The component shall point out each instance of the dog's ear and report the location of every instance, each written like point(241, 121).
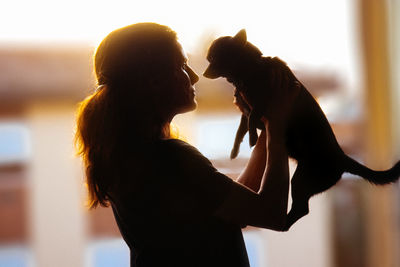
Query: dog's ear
point(241, 37)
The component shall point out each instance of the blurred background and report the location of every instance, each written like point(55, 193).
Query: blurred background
point(346, 52)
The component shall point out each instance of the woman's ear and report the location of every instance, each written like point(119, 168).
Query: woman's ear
point(241, 37)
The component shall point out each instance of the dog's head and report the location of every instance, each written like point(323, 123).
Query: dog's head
point(228, 53)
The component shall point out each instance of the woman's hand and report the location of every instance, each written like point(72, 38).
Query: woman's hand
point(240, 101)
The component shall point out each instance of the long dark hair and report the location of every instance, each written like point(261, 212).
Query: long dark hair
point(130, 107)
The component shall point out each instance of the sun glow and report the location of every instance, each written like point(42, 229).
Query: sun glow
point(311, 31)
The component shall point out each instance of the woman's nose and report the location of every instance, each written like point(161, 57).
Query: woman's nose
point(194, 78)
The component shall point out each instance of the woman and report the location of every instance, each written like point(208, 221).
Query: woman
point(172, 206)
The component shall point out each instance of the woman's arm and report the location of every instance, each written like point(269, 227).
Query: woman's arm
point(268, 207)
point(275, 182)
point(254, 171)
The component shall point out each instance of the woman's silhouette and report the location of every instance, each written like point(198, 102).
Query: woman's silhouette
point(172, 206)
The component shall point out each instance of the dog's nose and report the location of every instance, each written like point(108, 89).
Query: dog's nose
point(210, 72)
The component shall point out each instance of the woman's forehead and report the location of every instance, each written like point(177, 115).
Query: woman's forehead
point(182, 54)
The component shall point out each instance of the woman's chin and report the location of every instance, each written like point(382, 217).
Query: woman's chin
point(187, 108)
point(192, 106)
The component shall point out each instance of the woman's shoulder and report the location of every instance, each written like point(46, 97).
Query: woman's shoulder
point(173, 142)
point(177, 146)
point(193, 164)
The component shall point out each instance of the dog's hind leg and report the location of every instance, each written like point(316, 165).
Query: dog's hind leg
point(300, 196)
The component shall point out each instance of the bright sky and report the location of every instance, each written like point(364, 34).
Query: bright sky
point(313, 32)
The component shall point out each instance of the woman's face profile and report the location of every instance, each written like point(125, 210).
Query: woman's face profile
point(185, 80)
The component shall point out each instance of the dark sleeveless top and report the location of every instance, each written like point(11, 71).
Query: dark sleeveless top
point(166, 215)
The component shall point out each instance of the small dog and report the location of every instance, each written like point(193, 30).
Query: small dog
point(309, 137)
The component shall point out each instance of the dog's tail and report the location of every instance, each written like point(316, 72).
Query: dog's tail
point(376, 177)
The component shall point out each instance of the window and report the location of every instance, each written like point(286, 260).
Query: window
point(14, 143)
